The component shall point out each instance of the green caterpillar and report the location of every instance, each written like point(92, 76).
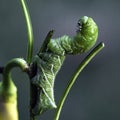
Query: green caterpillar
point(51, 57)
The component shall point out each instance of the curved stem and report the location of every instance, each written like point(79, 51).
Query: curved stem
point(8, 90)
point(74, 77)
point(29, 31)
point(16, 62)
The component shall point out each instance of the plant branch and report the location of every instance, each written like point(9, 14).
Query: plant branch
point(16, 62)
point(29, 31)
point(8, 90)
point(83, 64)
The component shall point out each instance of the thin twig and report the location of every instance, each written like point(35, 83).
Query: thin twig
point(83, 64)
point(29, 31)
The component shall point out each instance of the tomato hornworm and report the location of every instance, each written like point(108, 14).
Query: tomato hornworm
point(51, 56)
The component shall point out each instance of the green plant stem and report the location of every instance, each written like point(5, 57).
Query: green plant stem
point(8, 90)
point(29, 31)
point(30, 45)
point(16, 62)
point(74, 77)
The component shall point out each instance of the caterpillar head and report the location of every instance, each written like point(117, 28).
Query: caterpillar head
point(87, 33)
point(81, 22)
point(86, 23)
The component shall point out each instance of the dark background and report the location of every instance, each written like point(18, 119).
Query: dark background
point(96, 93)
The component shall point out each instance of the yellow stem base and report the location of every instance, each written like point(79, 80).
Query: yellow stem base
point(8, 111)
